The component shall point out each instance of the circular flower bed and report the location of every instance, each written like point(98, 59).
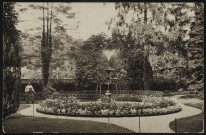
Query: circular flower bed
point(72, 107)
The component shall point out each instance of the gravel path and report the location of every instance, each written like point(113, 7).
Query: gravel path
point(149, 124)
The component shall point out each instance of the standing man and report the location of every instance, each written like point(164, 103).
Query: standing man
point(29, 90)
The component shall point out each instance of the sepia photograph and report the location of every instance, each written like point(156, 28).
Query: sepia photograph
point(103, 67)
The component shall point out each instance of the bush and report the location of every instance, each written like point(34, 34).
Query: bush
point(164, 85)
point(64, 86)
point(129, 97)
point(201, 95)
point(48, 91)
point(55, 94)
point(105, 99)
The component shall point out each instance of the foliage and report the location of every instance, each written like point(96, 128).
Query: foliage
point(48, 90)
point(11, 59)
point(129, 97)
point(171, 32)
point(149, 106)
point(89, 63)
point(164, 84)
point(106, 99)
point(195, 47)
point(60, 41)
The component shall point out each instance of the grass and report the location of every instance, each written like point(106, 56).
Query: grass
point(187, 96)
point(196, 105)
point(26, 124)
point(191, 124)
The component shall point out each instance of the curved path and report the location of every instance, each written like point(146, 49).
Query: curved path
point(149, 124)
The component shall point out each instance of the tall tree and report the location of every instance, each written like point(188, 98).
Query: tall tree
point(46, 45)
point(11, 60)
point(52, 25)
point(158, 27)
point(196, 49)
point(89, 61)
point(126, 29)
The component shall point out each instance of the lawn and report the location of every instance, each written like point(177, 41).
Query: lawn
point(26, 124)
point(191, 124)
point(188, 96)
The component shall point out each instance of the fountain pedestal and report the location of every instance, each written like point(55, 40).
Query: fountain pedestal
point(109, 53)
point(108, 93)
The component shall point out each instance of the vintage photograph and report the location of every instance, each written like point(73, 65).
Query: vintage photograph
point(103, 67)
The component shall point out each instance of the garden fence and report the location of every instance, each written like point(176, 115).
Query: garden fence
point(92, 94)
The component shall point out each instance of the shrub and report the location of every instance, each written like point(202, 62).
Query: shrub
point(105, 99)
point(129, 97)
point(164, 85)
point(55, 94)
point(48, 90)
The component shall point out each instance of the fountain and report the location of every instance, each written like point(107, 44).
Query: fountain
point(109, 54)
point(134, 105)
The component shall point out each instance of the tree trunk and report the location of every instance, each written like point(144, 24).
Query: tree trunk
point(145, 13)
point(46, 45)
point(146, 64)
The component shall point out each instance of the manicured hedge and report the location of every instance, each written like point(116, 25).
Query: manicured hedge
point(162, 85)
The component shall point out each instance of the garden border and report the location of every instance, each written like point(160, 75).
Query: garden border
point(79, 115)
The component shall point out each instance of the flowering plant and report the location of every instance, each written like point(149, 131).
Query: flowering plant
point(71, 106)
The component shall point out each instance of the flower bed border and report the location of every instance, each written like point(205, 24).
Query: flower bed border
point(80, 115)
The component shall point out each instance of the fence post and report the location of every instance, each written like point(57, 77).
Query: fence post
point(33, 109)
point(176, 125)
point(203, 117)
point(139, 119)
point(100, 89)
point(139, 125)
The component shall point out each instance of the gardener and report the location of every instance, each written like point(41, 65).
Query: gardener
point(29, 90)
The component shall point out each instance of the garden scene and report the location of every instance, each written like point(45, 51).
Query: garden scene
point(124, 67)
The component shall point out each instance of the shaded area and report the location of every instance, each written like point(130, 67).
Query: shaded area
point(35, 102)
point(22, 124)
point(190, 124)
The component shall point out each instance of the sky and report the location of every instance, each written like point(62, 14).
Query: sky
point(91, 18)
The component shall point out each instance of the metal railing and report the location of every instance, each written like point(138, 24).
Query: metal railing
point(136, 92)
point(93, 94)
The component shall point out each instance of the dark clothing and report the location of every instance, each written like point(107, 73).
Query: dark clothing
point(29, 96)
